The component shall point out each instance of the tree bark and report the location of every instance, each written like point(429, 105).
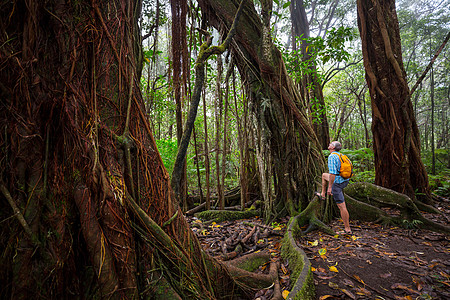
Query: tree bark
point(286, 133)
point(98, 197)
point(179, 79)
point(398, 165)
point(218, 110)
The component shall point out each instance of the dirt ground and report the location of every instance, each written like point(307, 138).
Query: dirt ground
point(374, 262)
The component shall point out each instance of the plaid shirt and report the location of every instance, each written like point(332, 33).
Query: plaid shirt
point(334, 165)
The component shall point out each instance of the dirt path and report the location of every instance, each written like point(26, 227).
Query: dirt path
point(375, 262)
point(379, 263)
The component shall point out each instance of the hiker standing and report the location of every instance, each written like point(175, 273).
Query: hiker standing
point(336, 183)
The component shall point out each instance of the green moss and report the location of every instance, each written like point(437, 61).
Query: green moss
point(251, 265)
point(300, 266)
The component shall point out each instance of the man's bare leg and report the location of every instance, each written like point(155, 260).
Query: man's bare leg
point(325, 181)
point(344, 215)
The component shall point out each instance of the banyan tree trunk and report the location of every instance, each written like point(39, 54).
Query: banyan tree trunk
point(284, 130)
point(87, 210)
point(396, 139)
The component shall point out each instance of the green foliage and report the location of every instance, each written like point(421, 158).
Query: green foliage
point(168, 151)
point(411, 224)
point(440, 183)
point(150, 55)
point(333, 47)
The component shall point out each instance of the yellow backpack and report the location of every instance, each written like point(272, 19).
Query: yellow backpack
point(346, 170)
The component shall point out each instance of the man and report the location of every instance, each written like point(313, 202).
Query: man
point(336, 183)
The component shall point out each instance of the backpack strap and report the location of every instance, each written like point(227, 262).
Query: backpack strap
point(339, 155)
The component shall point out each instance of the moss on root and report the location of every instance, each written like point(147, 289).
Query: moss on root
point(300, 266)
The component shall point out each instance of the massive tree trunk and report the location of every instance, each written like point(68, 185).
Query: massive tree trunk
point(311, 86)
point(284, 130)
point(398, 165)
point(90, 212)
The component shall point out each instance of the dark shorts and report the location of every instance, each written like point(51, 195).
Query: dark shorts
point(336, 190)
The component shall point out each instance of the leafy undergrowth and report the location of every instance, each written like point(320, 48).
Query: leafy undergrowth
point(375, 262)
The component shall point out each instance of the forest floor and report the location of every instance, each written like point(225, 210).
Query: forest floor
point(374, 262)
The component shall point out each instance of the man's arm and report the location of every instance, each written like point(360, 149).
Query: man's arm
point(330, 183)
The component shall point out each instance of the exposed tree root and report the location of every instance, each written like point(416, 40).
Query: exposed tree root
point(224, 215)
point(298, 262)
point(310, 215)
point(365, 200)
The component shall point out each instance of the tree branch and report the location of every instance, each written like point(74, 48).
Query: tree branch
point(17, 213)
point(430, 64)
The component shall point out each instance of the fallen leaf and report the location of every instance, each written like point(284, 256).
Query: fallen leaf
point(285, 294)
point(326, 277)
point(333, 269)
point(333, 285)
point(359, 279)
point(445, 275)
point(362, 291)
point(315, 243)
point(322, 251)
point(419, 283)
point(285, 271)
point(403, 287)
point(313, 269)
point(325, 297)
point(348, 282)
point(348, 293)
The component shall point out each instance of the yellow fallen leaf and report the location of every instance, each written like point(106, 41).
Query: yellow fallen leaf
point(313, 269)
point(277, 228)
point(359, 279)
point(333, 269)
point(322, 251)
point(285, 294)
point(325, 297)
point(315, 243)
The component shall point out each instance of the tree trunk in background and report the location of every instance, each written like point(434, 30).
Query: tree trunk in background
point(225, 133)
point(218, 110)
point(80, 154)
point(207, 164)
point(197, 159)
point(433, 154)
point(398, 164)
point(180, 61)
point(284, 129)
point(242, 130)
point(311, 86)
